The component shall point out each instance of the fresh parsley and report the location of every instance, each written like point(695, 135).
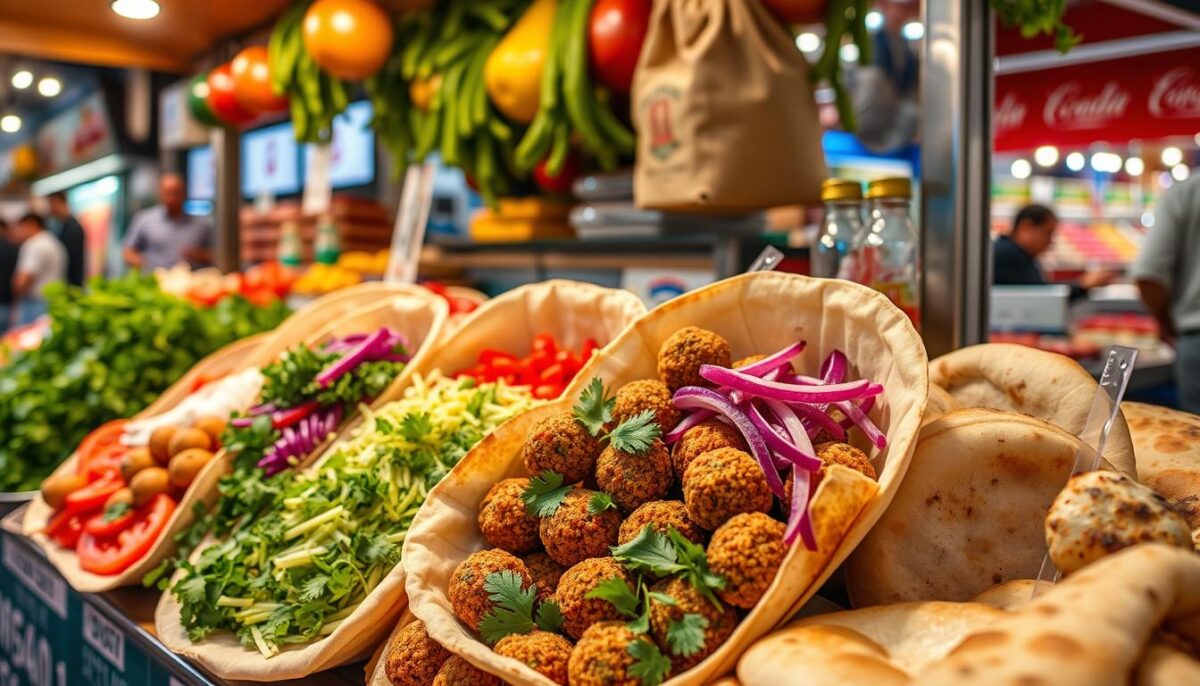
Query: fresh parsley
point(685, 636)
point(115, 511)
point(653, 553)
point(545, 493)
point(695, 562)
point(549, 617)
point(594, 410)
point(637, 434)
point(512, 606)
point(618, 594)
point(649, 664)
point(599, 502)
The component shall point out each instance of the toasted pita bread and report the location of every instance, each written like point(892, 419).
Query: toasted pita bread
point(1167, 443)
point(1008, 595)
point(970, 512)
point(1021, 379)
point(940, 402)
point(755, 313)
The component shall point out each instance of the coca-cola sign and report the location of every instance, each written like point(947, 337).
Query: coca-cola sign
point(1143, 97)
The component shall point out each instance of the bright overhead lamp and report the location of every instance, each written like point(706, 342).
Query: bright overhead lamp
point(1134, 166)
point(874, 20)
point(808, 42)
point(49, 87)
point(848, 52)
point(1046, 156)
point(1172, 156)
point(1180, 172)
point(1106, 162)
point(135, 9)
point(1076, 161)
point(1021, 169)
point(22, 79)
point(10, 123)
point(913, 30)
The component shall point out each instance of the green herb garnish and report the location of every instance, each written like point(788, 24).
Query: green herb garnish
point(649, 664)
point(594, 409)
point(512, 606)
point(545, 493)
point(599, 502)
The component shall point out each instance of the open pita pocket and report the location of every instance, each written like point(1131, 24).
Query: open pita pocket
point(1008, 595)
point(970, 512)
point(1021, 379)
point(411, 310)
point(755, 313)
point(1167, 443)
point(882, 646)
point(940, 402)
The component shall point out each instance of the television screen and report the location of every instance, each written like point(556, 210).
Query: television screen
point(201, 173)
point(352, 157)
point(270, 161)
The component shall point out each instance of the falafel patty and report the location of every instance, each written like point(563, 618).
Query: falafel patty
point(543, 652)
point(702, 438)
point(573, 534)
point(721, 621)
point(413, 659)
point(578, 611)
point(504, 520)
point(601, 657)
point(832, 452)
point(722, 483)
point(636, 397)
point(633, 480)
point(747, 551)
point(459, 672)
point(562, 445)
point(682, 354)
point(545, 572)
point(468, 597)
point(662, 515)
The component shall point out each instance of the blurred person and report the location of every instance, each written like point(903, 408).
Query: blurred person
point(41, 261)
point(164, 235)
point(1167, 273)
point(68, 230)
point(1014, 257)
point(8, 269)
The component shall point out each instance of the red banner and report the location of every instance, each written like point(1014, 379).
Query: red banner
point(1114, 101)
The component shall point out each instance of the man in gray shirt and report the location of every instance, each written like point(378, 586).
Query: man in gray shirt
point(163, 235)
point(1168, 275)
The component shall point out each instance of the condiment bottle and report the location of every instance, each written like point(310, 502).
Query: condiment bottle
point(289, 243)
point(841, 225)
point(326, 249)
point(887, 256)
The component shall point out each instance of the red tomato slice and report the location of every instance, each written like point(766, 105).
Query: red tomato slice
point(290, 417)
point(97, 526)
point(93, 496)
point(106, 435)
point(491, 356)
point(590, 346)
point(64, 528)
point(544, 343)
point(105, 461)
point(115, 554)
point(547, 391)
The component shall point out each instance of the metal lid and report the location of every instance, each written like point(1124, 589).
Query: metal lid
point(894, 187)
point(840, 189)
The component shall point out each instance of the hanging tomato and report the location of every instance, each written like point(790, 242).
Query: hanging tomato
point(616, 31)
point(349, 39)
point(222, 101)
point(197, 101)
point(251, 73)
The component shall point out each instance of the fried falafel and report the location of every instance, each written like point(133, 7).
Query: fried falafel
point(504, 520)
point(468, 597)
point(458, 672)
point(721, 621)
point(747, 551)
point(721, 483)
point(413, 659)
point(573, 534)
point(601, 657)
point(702, 438)
point(559, 443)
point(682, 354)
point(636, 397)
point(543, 652)
point(578, 611)
point(662, 515)
point(833, 452)
point(545, 573)
point(633, 480)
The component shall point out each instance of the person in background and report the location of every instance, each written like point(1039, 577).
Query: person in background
point(1167, 273)
point(164, 235)
point(41, 261)
point(8, 269)
point(1014, 257)
point(68, 230)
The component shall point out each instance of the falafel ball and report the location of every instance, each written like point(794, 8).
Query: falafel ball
point(833, 452)
point(459, 672)
point(601, 657)
point(747, 550)
point(700, 439)
point(561, 444)
point(545, 573)
point(721, 483)
point(633, 480)
point(682, 354)
point(721, 621)
point(662, 515)
point(543, 652)
point(636, 397)
point(747, 361)
point(413, 659)
point(573, 534)
point(503, 519)
point(468, 597)
point(578, 611)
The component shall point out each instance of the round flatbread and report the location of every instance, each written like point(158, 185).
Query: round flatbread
point(1021, 379)
point(940, 402)
point(969, 513)
point(1167, 444)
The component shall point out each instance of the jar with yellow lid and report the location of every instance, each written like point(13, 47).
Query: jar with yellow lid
point(887, 255)
point(840, 226)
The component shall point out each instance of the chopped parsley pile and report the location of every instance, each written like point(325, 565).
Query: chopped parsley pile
point(293, 572)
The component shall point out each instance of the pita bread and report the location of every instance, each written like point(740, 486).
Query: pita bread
point(940, 402)
point(1021, 379)
point(1008, 595)
point(755, 313)
point(1167, 444)
point(970, 512)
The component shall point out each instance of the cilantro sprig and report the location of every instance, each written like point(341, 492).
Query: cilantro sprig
point(594, 411)
point(512, 608)
point(545, 493)
point(649, 664)
point(599, 502)
point(594, 408)
point(653, 553)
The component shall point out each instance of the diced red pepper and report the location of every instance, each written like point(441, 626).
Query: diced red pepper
point(544, 342)
point(590, 346)
point(547, 391)
point(287, 418)
point(64, 528)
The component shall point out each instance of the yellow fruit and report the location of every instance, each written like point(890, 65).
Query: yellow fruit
point(513, 72)
point(421, 91)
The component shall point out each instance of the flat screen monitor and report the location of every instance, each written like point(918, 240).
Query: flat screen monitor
point(352, 157)
point(201, 173)
point(270, 161)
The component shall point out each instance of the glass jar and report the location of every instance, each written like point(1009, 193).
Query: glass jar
point(887, 256)
point(841, 225)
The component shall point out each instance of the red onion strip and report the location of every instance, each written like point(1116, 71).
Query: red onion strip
point(777, 390)
point(799, 515)
point(697, 398)
point(691, 421)
point(856, 414)
point(789, 452)
point(773, 361)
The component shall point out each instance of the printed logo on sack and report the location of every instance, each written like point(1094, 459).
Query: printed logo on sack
point(659, 111)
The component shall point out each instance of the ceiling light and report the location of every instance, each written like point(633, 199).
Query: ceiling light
point(135, 9)
point(808, 42)
point(10, 123)
point(849, 52)
point(874, 20)
point(1147, 219)
point(1075, 161)
point(1180, 172)
point(1109, 162)
point(22, 79)
point(913, 30)
point(1046, 156)
point(1134, 166)
point(1021, 169)
point(49, 86)
point(1172, 156)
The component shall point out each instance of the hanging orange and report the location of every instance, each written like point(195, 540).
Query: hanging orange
point(252, 81)
point(350, 39)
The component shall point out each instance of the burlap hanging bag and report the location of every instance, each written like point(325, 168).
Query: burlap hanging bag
point(724, 111)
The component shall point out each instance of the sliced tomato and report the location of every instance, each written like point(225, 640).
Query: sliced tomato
point(105, 436)
point(544, 342)
point(93, 496)
point(115, 554)
point(590, 346)
point(103, 462)
point(98, 525)
point(290, 417)
point(64, 528)
point(490, 356)
point(548, 391)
